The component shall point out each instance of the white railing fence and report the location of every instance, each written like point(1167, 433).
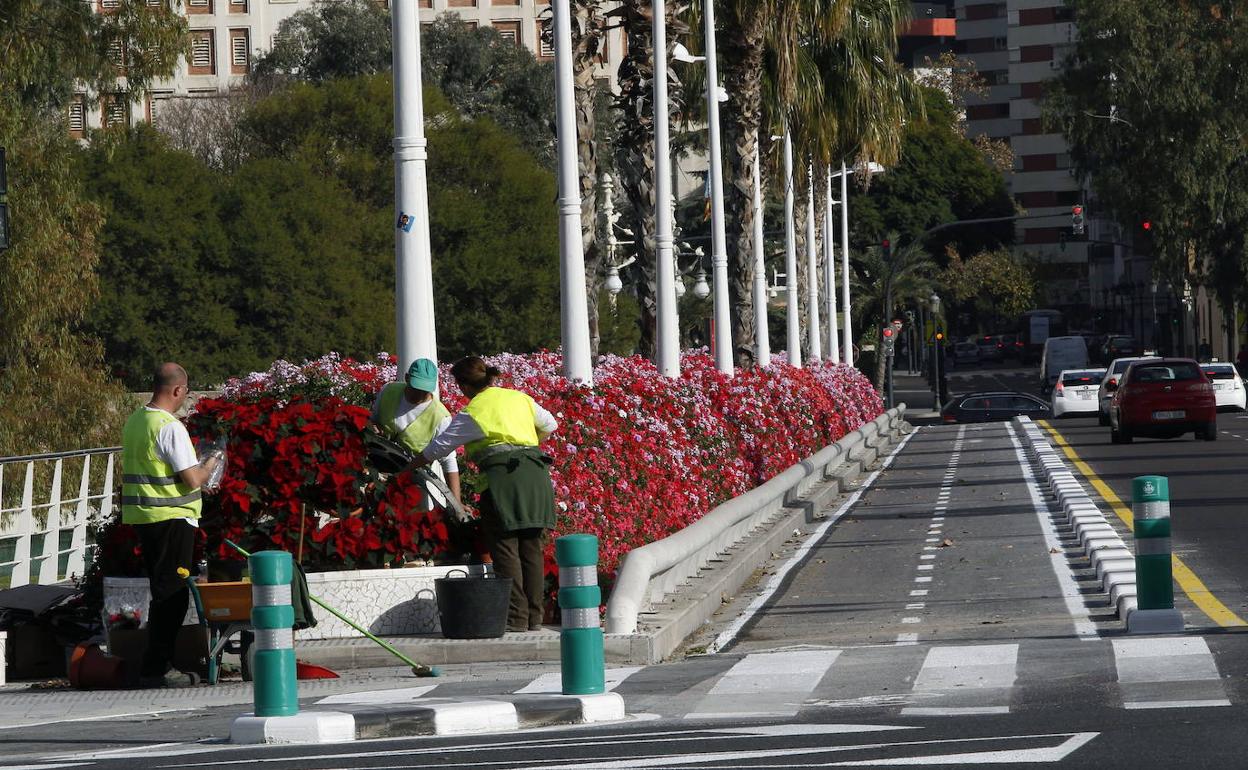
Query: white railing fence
point(43, 533)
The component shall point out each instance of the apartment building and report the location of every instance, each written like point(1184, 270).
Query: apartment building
point(228, 35)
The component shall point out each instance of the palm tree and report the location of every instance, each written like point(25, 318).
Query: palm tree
point(825, 67)
point(882, 276)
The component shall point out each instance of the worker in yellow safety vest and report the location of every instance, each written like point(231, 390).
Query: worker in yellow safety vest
point(408, 412)
point(160, 496)
point(501, 430)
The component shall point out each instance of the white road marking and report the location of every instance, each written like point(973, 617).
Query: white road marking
point(912, 620)
point(923, 579)
point(926, 566)
point(766, 684)
point(1187, 662)
point(553, 682)
point(927, 556)
point(377, 696)
point(728, 635)
point(919, 592)
point(904, 640)
point(916, 605)
point(958, 672)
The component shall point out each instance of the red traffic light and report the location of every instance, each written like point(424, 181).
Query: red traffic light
point(1076, 210)
point(1147, 225)
point(884, 243)
point(888, 332)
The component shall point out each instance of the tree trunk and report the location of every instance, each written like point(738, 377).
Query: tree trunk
point(741, 65)
point(588, 37)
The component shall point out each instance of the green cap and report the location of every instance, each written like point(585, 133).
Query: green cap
point(423, 375)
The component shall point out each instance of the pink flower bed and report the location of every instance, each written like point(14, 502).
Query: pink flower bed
point(638, 455)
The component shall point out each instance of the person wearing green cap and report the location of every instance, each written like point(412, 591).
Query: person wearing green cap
point(409, 413)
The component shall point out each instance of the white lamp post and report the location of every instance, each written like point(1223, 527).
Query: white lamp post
point(812, 272)
point(667, 344)
point(794, 338)
point(573, 304)
point(413, 265)
point(719, 252)
point(872, 168)
point(829, 273)
point(762, 344)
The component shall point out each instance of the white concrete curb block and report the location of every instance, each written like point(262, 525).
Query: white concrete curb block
point(1112, 560)
point(307, 727)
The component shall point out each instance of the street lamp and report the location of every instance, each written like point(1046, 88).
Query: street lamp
point(829, 272)
point(413, 273)
point(762, 344)
point(793, 337)
point(812, 271)
point(574, 307)
point(871, 168)
point(667, 347)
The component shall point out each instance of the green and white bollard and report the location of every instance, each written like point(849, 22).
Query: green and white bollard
point(276, 687)
point(580, 640)
point(1154, 581)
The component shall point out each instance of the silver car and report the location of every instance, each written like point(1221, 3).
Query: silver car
point(1112, 372)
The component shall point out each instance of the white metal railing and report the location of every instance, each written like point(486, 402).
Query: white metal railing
point(41, 514)
point(655, 570)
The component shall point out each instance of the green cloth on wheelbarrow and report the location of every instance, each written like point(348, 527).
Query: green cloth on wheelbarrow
point(299, 600)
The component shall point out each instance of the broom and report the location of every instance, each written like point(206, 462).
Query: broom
point(418, 669)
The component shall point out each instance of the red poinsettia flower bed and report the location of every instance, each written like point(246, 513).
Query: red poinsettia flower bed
point(636, 457)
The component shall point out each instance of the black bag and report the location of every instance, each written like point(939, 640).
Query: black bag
point(388, 456)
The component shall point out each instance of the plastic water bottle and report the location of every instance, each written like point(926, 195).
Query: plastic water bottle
point(201, 571)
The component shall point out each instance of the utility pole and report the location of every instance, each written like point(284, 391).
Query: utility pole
point(667, 345)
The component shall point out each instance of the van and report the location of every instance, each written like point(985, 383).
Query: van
point(1061, 353)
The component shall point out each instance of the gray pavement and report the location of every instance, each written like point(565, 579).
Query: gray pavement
point(944, 620)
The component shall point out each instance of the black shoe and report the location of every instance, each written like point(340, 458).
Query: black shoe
point(172, 679)
point(536, 627)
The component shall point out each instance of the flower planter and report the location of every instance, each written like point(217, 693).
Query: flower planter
point(388, 602)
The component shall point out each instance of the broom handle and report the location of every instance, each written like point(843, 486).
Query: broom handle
point(345, 619)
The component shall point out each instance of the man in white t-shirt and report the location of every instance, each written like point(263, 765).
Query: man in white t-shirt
point(160, 497)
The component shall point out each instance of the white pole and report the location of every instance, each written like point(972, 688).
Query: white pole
point(794, 338)
point(719, 253)
point(847, 354)
point(812, 272)
point(667, 344)
point(413, 265)
point(762, 344)
point(829, 274)
point(574, 310)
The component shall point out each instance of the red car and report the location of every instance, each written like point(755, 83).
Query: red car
point(1162, 398)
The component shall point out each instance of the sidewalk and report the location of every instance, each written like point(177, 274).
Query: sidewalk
point(913, 390)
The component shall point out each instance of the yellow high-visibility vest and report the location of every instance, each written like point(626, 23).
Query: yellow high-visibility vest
point(417, 435)
point(505, 416)
point(150, 488)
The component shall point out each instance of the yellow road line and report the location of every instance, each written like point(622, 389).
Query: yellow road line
point(1193, 586)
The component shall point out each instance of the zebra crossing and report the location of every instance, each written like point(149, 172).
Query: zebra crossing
point(919, 680)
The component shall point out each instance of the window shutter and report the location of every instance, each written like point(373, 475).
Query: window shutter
point(238, 49)
point(115, 113)
point(201, 51)
point(77, 115)
point(546, 40)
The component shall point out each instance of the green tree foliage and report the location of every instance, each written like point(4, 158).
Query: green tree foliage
point(994, 287)
point(941, 177)
point(618, 324)
point(54, 392)
point(1153, 105)
point(332, 39)
point(166, 268)
point(482, 74)
point(292, 254)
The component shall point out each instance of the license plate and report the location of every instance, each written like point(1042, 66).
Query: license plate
point(1169, 415)
point(1216, 386)
point(1086, 395)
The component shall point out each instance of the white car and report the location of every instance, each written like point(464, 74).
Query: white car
point(1075, 391)
point(1114, 373)
point(1228, 387)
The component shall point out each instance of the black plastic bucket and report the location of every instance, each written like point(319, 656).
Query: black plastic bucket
point(473, 606)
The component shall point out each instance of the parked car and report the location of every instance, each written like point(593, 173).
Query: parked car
point(989, 347)
point(1163, 398)
point(1120, 346)
point(1113, 373)
point(965, 353)
point(1011, 346)
point(1060, 353)
point(1075, 392)
point(993, 406)
point(1228, 386)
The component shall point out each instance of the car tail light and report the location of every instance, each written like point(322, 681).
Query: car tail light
point(1059, 389)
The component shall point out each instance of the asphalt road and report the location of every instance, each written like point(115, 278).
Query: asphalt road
point(1208, 489)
